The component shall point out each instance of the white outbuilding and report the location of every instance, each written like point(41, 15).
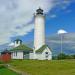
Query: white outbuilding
point(44, 53)
point(20, 51)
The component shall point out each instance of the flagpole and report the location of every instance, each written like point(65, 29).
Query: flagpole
point(61, 43)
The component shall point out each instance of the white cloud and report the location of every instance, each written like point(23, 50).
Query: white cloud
point(61, 31)
point(17, 13)
point(53, 16)
point(68, 38)
point(63, 4)
point(11, 44)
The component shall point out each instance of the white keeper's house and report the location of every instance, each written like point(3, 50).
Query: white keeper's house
point(20, 51)
point(41, 51)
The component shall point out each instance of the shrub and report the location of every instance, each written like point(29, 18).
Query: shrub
point(73, 56)
point(64, 56)
point(61, 56)
point(54, 57)
point(2, 66)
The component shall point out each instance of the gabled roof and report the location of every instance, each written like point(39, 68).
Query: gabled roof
point(41, 49)
point(21, 47)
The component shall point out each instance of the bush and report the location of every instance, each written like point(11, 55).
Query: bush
point(2, 66)
point(73, 56)
point(61, 56)
point(54, 57)
point(64, 56)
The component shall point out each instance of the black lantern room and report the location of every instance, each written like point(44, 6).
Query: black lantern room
point(39, 11)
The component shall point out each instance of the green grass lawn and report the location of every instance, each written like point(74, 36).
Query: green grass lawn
point(5, 71)
point(35, 67)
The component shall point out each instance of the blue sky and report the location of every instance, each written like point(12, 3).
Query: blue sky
point(16, 18)
point(64, 19)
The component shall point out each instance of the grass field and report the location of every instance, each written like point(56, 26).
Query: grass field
point(35, 67)
point(5, 71)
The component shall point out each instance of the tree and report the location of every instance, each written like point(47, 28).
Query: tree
point(61, 56)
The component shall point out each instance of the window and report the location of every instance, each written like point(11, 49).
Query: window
point(46, 54)
point(15, 53)
point(25, 53)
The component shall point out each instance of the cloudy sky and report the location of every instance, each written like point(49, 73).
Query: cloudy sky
point(16, 18)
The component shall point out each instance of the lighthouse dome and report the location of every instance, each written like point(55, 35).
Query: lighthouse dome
point(39, 11)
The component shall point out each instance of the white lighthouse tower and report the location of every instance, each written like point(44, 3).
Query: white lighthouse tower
point(41, 50)
point(39, 32)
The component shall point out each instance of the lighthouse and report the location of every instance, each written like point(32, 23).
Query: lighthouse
point(39, 29)
point(41, 50)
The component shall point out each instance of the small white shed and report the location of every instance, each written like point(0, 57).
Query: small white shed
point(44, 53)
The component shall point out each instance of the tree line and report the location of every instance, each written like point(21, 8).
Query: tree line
point(63, 56)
